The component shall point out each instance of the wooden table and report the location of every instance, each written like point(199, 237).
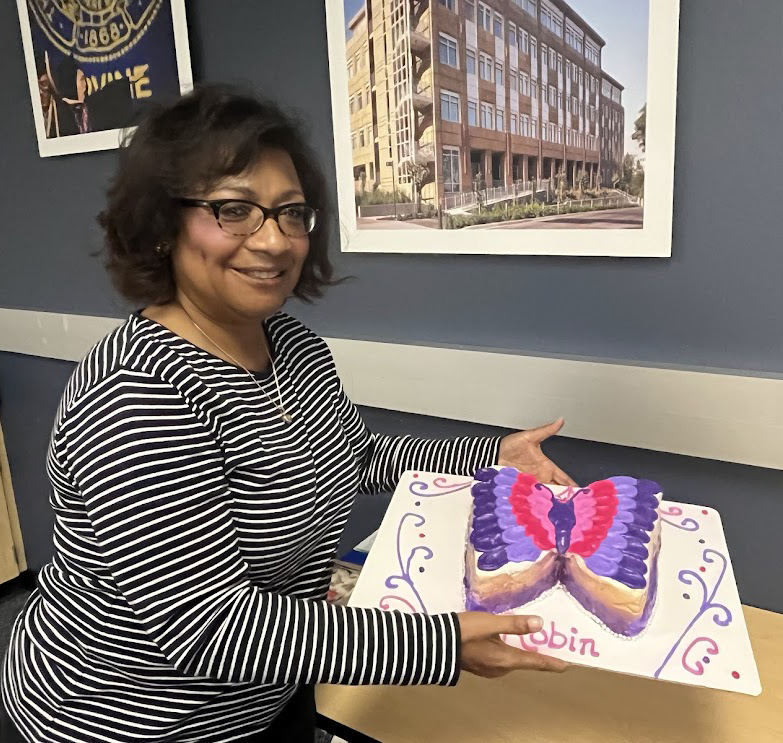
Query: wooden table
point(583, 705)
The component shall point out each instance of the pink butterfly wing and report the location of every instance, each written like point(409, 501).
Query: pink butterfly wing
point(614, 521)
point(531, 502)
point(595, 508)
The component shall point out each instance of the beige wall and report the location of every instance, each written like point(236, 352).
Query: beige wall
point(12, 557)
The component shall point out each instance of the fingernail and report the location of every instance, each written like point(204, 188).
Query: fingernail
point(535, 623)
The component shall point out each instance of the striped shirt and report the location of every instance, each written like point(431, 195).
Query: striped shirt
point(194, 538)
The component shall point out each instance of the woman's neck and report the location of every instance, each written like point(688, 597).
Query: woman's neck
point(240, 342)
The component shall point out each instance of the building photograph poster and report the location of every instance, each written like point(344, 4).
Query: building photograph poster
point(94, 66)
point(505, 126)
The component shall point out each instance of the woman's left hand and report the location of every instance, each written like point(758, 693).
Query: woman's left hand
point(522, 450)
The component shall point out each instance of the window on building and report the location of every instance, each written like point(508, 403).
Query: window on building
point(448, 50)
point(524, 125)
point(512, 80)
point(451, 170)
point(472, 113)
point(359, 102)
point(591, 53)
point(351, 104)
point(524, 84)
point(560, 64)
point(559, 99)
point(353, 140)
point(534, 88)
point(449, 106)
point(485, 17)
point(499, 73)
point(552, 95)
point(470, 61)
point(498, 26)
point(487, 115)
point(552, 133)
point(524, 42)
point(500, 120)
point(450, 4)
point(534, 128)
point(512, 34)
point(486, 67)
point(470, 9)
point(531, 7)
point(350, 69)
point(514, 124)
point(544, 136)
point(533, 47)
point(551, 20)
point(544, 54)
point(361, 138)
point(552, 58)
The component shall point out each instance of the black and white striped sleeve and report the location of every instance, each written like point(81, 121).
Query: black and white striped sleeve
point(152, 478)
point(385, 457)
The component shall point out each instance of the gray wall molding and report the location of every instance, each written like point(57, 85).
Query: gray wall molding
point(723, 416)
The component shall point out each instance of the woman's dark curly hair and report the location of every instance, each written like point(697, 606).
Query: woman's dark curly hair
point(183, 149)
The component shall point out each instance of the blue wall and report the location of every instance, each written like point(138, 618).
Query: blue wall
point(715, 303)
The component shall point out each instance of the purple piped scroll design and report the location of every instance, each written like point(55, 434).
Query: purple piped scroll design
point(722, 616)
point(421, 488)
point(404, 577)
point(687, 524)
point(408, 564)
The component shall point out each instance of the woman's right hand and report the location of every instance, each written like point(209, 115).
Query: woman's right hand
point(485, 654)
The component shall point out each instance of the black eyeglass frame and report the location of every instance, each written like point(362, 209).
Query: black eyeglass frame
point(269, 213)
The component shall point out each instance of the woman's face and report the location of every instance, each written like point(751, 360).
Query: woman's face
point(235, 279)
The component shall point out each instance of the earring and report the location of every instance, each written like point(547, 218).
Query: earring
point(163, 249)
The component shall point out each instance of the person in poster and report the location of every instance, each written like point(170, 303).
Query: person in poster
point(100, 63)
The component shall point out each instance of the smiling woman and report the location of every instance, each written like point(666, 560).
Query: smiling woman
point(204, 460)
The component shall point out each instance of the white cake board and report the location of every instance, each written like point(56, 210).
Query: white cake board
point(696, 635)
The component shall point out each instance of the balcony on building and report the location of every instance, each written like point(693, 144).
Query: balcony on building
point(421, 100)
point(419, 42)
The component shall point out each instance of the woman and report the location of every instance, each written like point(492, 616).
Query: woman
point(204, 460)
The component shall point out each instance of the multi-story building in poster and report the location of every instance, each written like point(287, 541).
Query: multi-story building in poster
point(469, 92)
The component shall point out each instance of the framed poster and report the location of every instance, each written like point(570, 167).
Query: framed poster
point(539, 127)
point(93, 66)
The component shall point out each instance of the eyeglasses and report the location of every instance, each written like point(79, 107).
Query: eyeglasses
point(241, 217)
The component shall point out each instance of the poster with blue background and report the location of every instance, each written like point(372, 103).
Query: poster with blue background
point(93, 67)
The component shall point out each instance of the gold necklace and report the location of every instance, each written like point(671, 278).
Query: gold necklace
point(284, 414)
